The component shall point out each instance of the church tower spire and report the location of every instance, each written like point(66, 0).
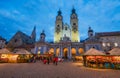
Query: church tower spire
point(90, 32)
point(58, 27)
point(33, 34)
point(74, 25)
point(42, 36)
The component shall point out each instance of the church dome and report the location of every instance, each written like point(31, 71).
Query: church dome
point(90, 30)
point(42, 33)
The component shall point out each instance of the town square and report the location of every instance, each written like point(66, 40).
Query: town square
point(60, 39)
point(62, 70)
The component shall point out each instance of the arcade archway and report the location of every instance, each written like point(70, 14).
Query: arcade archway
point(51, 51)
point(73, 52)
point(81, 50)
point(57, 52)
point(65, 53)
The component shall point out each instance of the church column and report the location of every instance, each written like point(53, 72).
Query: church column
point(48, 50)
point(55, 50)
point(77, 52)
point(69, 52)
point(61, 54)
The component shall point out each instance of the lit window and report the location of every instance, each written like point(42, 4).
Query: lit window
point(108, 44)
point(104, 44)
point(38, 52)
point(39, 48)
point(116, 44)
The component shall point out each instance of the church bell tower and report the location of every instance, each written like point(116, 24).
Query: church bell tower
point(90, 32)
point(58, 27)
point(33, 34)
point(74, 26)
point(42, 36)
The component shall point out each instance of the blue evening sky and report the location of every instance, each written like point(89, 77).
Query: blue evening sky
point(101, 15)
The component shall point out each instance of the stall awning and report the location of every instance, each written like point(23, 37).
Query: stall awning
point(93, 51)
point(5, 51)
point(115, 51)
point(22, 51)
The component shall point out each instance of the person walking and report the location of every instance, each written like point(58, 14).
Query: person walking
point(34, 59)
point(56, 60)
point(44, 61)
point(48, 60)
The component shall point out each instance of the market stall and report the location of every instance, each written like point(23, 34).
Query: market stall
point(78, 58)
point(23, 55)
point(93, 58)
point(4, 55)
point(114, 55)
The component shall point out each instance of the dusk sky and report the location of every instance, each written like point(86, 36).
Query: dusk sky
point(23, 15)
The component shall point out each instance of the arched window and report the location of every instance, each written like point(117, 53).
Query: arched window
point(74, 23)
point(65, 28)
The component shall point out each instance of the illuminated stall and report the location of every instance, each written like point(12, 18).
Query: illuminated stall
point(93, 58)
point(13, 58)
point(4, 55)
point(79, 58)
point(23, 55)
point(114, 56)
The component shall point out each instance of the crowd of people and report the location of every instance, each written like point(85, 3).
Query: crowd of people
point(46, 59)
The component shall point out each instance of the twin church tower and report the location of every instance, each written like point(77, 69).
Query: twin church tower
point(64, 32)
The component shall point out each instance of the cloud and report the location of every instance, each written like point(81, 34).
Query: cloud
point(99, 14)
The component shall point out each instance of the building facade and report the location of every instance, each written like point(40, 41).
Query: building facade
point(21, 40)
point(109, 40)
point(104, 41)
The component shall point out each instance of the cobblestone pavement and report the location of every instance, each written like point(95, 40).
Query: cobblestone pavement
point(62, 70)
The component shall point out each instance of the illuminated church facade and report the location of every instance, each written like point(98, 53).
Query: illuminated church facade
point(64, 30)
point(66, 38)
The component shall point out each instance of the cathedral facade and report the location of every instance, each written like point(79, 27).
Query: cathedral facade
point(64, 30)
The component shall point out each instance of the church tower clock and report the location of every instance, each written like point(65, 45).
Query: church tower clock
point(58, 27)
point(74, 27)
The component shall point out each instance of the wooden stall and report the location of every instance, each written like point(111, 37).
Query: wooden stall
point(4, 55)
point(114, 56)
point(93, 58)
